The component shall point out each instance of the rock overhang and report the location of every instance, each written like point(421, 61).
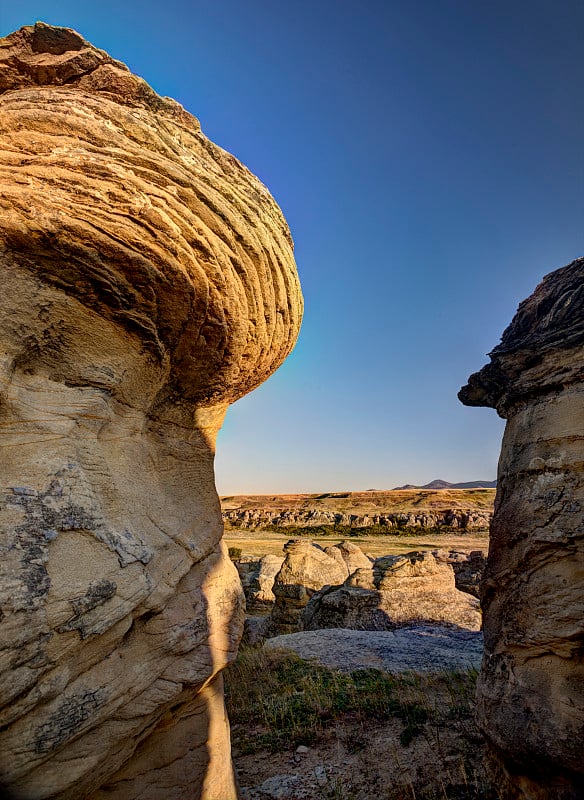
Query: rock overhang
point(113, 194)
point(547, 330)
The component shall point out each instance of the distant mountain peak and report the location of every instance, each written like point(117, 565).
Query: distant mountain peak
point(440, 484)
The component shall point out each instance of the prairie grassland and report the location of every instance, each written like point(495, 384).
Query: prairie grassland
point(261, 542)
point(372, 502)
point(361, 735)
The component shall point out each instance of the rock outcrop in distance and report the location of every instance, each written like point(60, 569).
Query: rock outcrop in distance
point(148, 282)
point(451, 519)
point(531, 686)
point(373, 511)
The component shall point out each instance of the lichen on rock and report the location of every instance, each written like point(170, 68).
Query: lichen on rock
point(148, 282)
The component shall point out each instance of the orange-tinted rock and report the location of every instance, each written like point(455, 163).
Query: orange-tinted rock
point(394, 591)
point(148, 281)
point(531, 688)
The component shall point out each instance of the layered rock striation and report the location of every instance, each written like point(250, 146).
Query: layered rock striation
point(148, 282)
point(531, 687)
point(455, 519)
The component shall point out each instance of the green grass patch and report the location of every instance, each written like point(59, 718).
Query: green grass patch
point(289, 701)
point(348, 532)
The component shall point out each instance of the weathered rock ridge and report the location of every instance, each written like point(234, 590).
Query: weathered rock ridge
point(531, 687)
point(464, 520)
point(148, 281)
point(341, 587)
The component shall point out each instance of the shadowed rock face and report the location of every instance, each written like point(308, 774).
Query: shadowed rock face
point(148, 282)
point(531, 688)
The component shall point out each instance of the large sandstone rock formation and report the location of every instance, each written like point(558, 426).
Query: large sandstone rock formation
point(531, 688)
point(393, 592)
point(148, 281)
point(306, 569)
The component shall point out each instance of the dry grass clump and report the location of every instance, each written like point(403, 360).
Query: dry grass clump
point(407, 736)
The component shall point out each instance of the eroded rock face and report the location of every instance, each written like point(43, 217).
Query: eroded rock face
point(457, 519)
point(531, 688)
point(306, 569)
point(393, 592)
point(148, 281)
point(468, 568)
point(257, 577)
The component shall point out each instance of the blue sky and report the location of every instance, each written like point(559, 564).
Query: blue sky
point(428, 157)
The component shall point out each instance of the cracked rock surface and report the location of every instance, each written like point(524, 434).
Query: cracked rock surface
point(531, 687)
point(148, 282)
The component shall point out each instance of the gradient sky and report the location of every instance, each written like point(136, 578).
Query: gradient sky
point(428, 157)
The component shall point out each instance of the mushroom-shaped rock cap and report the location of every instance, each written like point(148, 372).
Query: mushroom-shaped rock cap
point(538, 351)
point(114, 195)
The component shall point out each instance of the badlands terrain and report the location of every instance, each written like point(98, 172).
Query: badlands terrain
point(379, 522)
point(367, 684)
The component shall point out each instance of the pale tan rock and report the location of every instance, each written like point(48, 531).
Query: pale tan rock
point(306, 569)
point(349, 556)
point(531, 687)
point(257, 579)
point(393, 592)
point(148, 281)
point(468, 568)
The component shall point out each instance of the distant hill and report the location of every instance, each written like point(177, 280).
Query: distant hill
point(440, 484)
point(343, 513)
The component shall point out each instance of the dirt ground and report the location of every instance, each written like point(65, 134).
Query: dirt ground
point(357, 759)
point(301, 731)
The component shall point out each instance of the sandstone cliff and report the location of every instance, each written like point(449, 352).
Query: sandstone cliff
point(148, 281)
point(531, 688)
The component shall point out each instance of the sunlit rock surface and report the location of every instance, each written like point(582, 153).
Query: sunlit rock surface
point(306, 569)
point(393, 592)
point(531, 688)
point(148, 281)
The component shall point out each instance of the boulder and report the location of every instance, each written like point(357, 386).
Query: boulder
point(393, 592)
point(148, 282)
point(349, 556)
point(531, 686)
point(306, 569)
point(257, 580)
point(423, 648)
point(468, 568)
